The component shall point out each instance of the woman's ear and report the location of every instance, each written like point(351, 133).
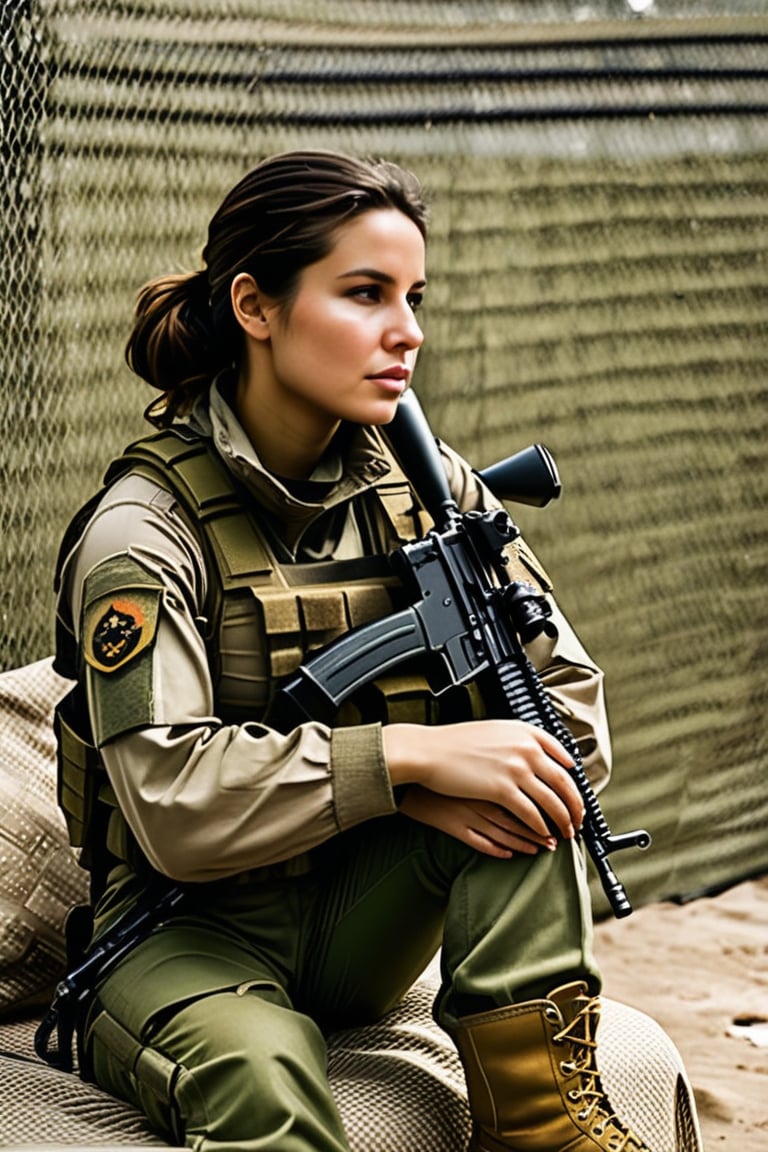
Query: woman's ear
point(250, 306)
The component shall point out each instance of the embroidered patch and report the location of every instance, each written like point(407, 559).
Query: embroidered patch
point(118, 627)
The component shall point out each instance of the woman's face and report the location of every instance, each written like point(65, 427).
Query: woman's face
point(346, 347)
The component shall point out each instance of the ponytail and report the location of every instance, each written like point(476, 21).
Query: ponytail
point(171, 345)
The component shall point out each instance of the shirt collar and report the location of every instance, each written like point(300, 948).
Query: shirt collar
point(361, 465)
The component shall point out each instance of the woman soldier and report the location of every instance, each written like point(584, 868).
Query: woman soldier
point(322, 867)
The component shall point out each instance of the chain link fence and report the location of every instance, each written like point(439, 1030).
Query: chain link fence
point(598, 266)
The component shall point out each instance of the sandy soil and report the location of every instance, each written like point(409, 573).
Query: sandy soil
point(701, 970)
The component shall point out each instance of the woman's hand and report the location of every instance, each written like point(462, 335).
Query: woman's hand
point(483, 826)
point(516, 767)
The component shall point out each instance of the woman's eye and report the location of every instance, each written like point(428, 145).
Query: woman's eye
point(374, 293)
point(366, 292)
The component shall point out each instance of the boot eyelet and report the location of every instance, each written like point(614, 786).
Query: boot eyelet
point(583, 1115)
point(567, 1067)
point(573, 1095)
point(552, 1013)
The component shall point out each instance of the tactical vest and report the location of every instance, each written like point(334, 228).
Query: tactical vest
point(261, 619)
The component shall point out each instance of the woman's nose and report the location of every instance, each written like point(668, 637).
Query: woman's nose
point(405, 330)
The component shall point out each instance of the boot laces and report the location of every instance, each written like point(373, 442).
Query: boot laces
point(587, 1094)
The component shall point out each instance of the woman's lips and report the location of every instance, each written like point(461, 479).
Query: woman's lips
point(396, 377)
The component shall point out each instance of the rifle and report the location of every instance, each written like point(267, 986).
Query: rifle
point(466, 616)
point(72, 994)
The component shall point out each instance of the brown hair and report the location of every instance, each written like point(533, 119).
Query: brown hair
point(280, 218)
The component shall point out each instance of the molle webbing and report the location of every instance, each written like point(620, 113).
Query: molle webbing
point(262, 616)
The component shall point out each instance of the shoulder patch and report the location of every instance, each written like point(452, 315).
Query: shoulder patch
point(118, 627)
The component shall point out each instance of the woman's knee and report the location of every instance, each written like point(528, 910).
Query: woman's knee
point(252, 1074)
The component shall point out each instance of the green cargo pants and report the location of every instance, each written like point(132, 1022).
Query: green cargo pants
point(214, 1025)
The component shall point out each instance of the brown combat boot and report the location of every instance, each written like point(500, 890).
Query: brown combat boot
point(532, 1078)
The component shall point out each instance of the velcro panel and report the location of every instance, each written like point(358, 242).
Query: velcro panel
point(280, 611)
point(240, 550)
point(283, 629)
point(324, 610)
point(367, 602)
point(206, 481)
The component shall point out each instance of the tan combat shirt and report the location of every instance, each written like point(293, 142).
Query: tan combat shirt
point(207, 800)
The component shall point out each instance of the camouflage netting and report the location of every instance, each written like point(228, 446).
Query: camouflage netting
point(598, 266)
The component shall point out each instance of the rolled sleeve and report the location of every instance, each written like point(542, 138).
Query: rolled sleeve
point(361, 784)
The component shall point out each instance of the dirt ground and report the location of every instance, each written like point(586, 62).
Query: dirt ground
point(701, 970)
